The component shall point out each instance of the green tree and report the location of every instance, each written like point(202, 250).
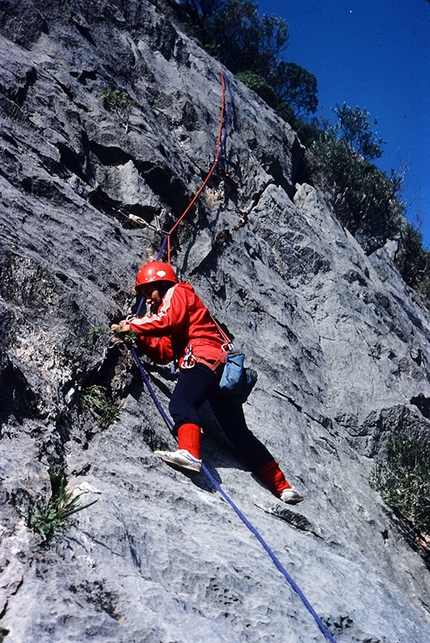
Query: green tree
point(364, 198)
point(199, 17)
point(413, 261)
point(260, 86)
point(295, 86)
point(353, 127)
point(234, 32)
point(410, 257)
point(250, 45)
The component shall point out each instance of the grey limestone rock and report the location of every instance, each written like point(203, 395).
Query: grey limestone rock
point(340, 344)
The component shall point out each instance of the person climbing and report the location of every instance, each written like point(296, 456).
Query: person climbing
point(180, 327)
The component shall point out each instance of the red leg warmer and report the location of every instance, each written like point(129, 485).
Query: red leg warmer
point(189, 439)
point(274, 477)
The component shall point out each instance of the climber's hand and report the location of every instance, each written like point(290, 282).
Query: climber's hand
point(121, 328)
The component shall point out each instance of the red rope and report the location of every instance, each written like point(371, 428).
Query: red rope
point(211, 171)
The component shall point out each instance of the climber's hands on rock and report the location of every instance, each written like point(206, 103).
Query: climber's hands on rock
point(121, 328)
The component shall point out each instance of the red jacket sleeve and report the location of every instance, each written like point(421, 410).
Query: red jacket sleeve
point(170, 318)
point(159, 349)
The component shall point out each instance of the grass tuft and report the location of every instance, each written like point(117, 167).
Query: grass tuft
point(52, 517)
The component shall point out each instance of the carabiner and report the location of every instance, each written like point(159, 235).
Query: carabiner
point(188, 361)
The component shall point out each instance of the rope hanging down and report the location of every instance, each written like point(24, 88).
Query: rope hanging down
point(275, 560)
point(241, 515)
point(222, 135)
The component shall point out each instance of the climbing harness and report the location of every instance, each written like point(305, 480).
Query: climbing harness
point(189, 361)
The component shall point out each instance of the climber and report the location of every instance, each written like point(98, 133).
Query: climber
point(180, 327)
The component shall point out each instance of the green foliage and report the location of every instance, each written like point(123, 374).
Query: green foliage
point(286, 112)
point(48, 518)
point(95, 397)
point(95, 333)
point(118, 99)
point(260, 86)
point(120, 102)
point(246, 41)
point(295, 86)
point(403, 479)
point(353, 127)
point(307, 130)
point(250, 45)
point(269, 95)
point(423, 286)
point(234, 31)
point(128, 338)
point(366, 200)
point(291, 95)
point(413, 261)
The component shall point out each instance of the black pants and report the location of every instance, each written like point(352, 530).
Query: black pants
point(200, 383)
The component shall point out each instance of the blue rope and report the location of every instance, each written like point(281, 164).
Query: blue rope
point(243, 518)
point(275, 560)
point(150, 388)
point(163, 247)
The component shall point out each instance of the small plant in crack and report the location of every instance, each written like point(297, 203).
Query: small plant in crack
point(95, 333)
point(128, 338)
point(95, 397)
point(52, 517)
point(119, 102)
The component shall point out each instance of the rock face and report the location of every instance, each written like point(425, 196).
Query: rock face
point(340, 344)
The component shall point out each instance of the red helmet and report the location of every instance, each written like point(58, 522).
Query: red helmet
point(155, 271)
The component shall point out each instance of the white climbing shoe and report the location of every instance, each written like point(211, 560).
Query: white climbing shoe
point(291, 496)
point(181, 460)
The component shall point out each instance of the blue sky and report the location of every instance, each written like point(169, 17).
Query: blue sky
point(374, 54)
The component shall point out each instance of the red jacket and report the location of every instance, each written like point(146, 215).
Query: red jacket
point(181, 321)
